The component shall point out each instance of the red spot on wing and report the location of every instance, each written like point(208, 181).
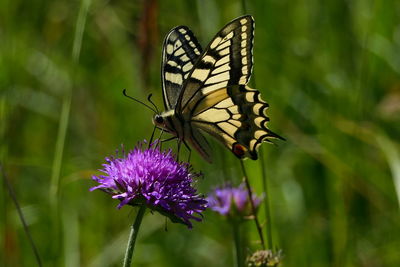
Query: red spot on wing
point(238, 150)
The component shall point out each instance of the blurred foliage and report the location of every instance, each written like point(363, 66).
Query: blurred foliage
point(330, 71)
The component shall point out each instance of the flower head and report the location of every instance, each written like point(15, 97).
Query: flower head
point(155, 179)
point(231, 201)
point(264, 258)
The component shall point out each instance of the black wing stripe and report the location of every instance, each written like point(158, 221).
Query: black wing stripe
point(217, 132)
point(219, 126)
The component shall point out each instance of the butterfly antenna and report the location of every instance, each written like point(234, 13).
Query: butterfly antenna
point(151, 101)
point(137, 100)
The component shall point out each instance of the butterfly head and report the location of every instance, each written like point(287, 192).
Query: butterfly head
point(159, 121)
point(162, 121)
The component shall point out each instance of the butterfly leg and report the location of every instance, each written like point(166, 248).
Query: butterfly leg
point(166, 140)
point(179, 149)
point(159, 138)
point(188, 148)
point(152, 135)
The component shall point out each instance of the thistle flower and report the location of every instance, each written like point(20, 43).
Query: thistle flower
point(264, 258)
point(155, 179)
point(232, 201)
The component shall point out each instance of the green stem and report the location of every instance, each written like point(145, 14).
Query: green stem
point(133, 236)
point(266, 200)
point(244, 8)
point(253, 207)
point(238, 247)
point(66, 106)
point(54, 192)
point(264, 172)
point(59, 149)
point(21, 215)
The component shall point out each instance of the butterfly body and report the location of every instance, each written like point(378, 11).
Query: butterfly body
point(207, 92)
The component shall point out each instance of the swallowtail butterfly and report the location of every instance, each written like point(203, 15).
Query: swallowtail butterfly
point(206, 91)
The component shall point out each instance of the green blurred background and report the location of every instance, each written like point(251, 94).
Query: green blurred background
point(330, 71)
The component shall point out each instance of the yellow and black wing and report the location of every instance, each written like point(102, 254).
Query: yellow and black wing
point(216, 99)
point(180, 51)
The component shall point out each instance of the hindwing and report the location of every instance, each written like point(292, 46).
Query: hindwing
point(235, 116)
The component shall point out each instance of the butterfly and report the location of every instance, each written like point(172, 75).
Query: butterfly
point(206, 91)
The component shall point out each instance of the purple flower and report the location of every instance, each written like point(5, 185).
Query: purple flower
point(231, 201)
point(156, 179)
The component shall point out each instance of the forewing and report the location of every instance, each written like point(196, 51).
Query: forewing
point(180, 51)
point(226, 61)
